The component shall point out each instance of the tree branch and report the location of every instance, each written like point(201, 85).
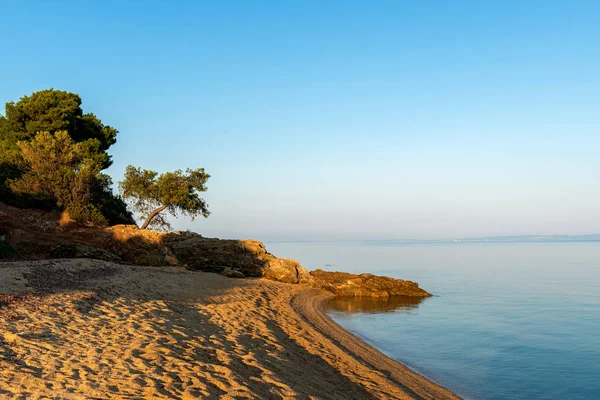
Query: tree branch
point(154, 214)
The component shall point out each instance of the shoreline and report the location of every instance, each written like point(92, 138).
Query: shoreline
point(309, 304)
point(106, 330)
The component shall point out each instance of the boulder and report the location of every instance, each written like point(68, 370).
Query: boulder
point(171, 260)
point(285, 270)
point(232, 273)
point(83, 251)
point(345, 284)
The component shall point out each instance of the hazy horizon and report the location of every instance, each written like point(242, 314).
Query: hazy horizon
point(329, 121)
point(595, 237)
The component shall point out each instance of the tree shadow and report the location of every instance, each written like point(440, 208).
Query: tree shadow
point(8, 355)
point(191, 337)
point(182, 334)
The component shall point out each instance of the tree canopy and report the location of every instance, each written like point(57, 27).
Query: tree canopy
point(151, 194)
point(58, 168)
point(53, 111)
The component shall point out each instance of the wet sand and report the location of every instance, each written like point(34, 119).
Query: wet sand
point(100, 330)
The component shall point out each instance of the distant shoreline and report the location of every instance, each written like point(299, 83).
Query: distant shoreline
point(532, 239)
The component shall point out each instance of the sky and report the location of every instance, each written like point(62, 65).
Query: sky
point(331, 120)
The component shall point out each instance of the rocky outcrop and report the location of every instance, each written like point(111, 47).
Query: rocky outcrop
point(234, 258)
point(137, 246)
point(83, 251)
point(248, 257)
point(285, 270)
point(36, 234)
point(345, 284)
point(232, 273)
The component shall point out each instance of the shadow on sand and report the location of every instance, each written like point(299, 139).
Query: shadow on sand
point(184, 332)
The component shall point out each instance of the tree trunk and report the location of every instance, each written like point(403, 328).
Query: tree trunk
point(153, 214)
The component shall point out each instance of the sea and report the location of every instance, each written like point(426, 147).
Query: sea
point(506, 320)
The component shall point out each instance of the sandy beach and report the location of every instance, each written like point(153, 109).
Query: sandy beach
point(93, 329)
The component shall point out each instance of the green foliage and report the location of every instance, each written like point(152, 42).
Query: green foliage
point(174, 192)
point(57, 168)
point(54, 111)
point(9, 172)
point(86, 213)
point(112, 207)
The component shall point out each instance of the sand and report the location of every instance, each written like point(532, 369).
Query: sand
point(101, 330)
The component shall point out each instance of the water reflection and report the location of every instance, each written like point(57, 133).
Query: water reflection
point(374, 305)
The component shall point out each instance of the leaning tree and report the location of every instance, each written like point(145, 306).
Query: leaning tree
point(152, 195)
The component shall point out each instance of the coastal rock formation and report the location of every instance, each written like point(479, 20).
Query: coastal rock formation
point(345, 284)
point(234, 258)
point(246, 256)
point(37, 234)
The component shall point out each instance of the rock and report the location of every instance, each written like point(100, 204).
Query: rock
point(285, 270)
point(35, 234)
point(232, 273)
point(136, 246)
point(345, 284)
point(83, 251)
point(247, 256)
point(171, 260)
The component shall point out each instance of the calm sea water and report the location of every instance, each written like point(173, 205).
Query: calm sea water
point(508, 321)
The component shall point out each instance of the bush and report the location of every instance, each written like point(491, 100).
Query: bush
point(86, 214)
point(55, 167)
point(111, 206)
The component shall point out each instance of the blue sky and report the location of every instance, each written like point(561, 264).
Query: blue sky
point(338, 120)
